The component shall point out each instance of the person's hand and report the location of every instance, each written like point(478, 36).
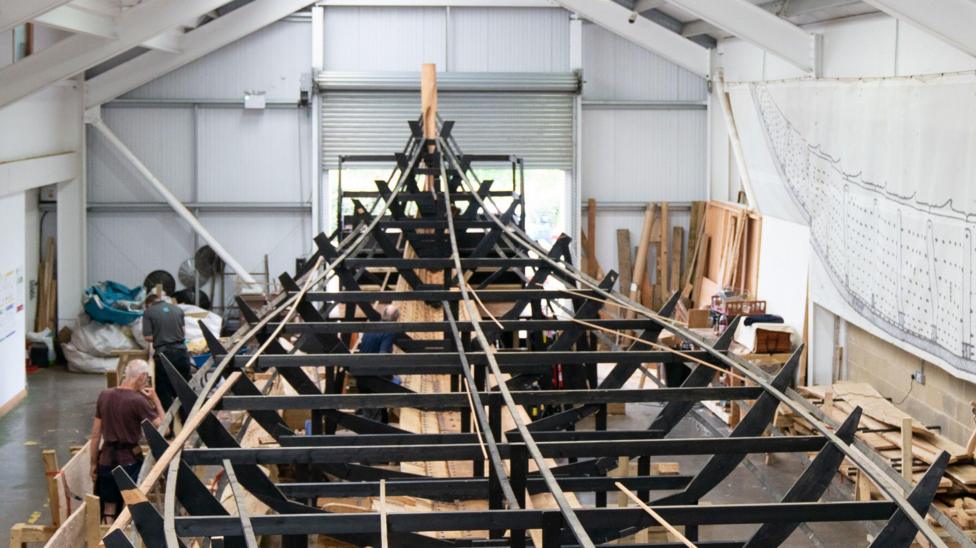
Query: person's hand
point(148, 392)
point(94, 471)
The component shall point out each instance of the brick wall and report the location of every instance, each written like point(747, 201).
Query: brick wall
point(943, 400)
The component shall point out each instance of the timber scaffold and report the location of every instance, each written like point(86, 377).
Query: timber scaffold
point(500, 312)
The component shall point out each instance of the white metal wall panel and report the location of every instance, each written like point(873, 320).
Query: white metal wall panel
point(615, 69)
point(253, 156)
point(641, 155)
point(160, 137)
point(126, 246)
point(282, 236)
point(272, 60)
point(509, 40)
point(536, 126)
point(6, 47)
point(383, 38)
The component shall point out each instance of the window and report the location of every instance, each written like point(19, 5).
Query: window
point(545, 196)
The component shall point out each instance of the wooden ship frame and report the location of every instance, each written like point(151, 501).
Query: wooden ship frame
point(487, 313)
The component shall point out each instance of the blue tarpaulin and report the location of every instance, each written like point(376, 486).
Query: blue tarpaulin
point(112, 302)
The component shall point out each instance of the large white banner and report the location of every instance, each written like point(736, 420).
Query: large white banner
point(884, 174)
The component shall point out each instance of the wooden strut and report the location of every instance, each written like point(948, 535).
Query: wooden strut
point(650, 511)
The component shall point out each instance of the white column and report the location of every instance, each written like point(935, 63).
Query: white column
point(576, 191)
point(315, 173)
point(72, 233)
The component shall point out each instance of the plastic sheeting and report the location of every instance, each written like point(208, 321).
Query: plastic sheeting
point(112, 302)
point(91, 346)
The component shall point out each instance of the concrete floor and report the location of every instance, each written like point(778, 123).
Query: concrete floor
point(58, 410)
point(56, 414)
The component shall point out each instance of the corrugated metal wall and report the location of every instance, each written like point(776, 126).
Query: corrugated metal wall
point(208, 154)
point(628, 154)
point(536, 126)
point(470, 40)
point(644, 136)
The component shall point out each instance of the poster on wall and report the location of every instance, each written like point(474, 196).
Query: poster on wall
point(8, 305)
point(884, 174)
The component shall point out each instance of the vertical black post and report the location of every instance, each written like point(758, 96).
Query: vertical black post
point(601, 418)
point(518, 471)
point(494, 498)
point(495, 419)
point(294, 541)
point(644, 469)
point(552, 526)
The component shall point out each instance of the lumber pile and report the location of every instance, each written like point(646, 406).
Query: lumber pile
point(47, 291)
point(654, 268)
point(886, 428)
point(725, 253)
point(722, 252)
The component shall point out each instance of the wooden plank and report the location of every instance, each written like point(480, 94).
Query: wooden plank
point(591, 262)
point(624, 259)
point(677, 242)
point(646, 292)
point(71, 534)
point(701, 266)
point(664, 251)
point(906, 449)
point(640, 264)
point(428, 109)
point(93, 521)
point(428, 99)
point(695, 231)
point(50, 458)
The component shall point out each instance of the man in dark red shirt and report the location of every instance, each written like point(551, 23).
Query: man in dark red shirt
point(116, 432)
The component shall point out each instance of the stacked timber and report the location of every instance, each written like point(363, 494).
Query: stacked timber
point(885, 428)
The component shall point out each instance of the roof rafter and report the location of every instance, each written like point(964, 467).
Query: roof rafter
point(643, 32)
point(80, 18)
point(16, 12)
point(195, 44)
point(74, 19)
point(760, 27)
point(80, 52)
point(952, 21)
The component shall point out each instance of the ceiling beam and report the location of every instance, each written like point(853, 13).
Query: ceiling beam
point(952, 21)
point(195, 44)
point(74, 19)
point(170, 41)
point(643, 32)
point(77, 53)
point(798, 12)
point(17, 12)
point(79, 18)
point(28, 173)
point(442, 3)
point(640, 6)
point(757, 26)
